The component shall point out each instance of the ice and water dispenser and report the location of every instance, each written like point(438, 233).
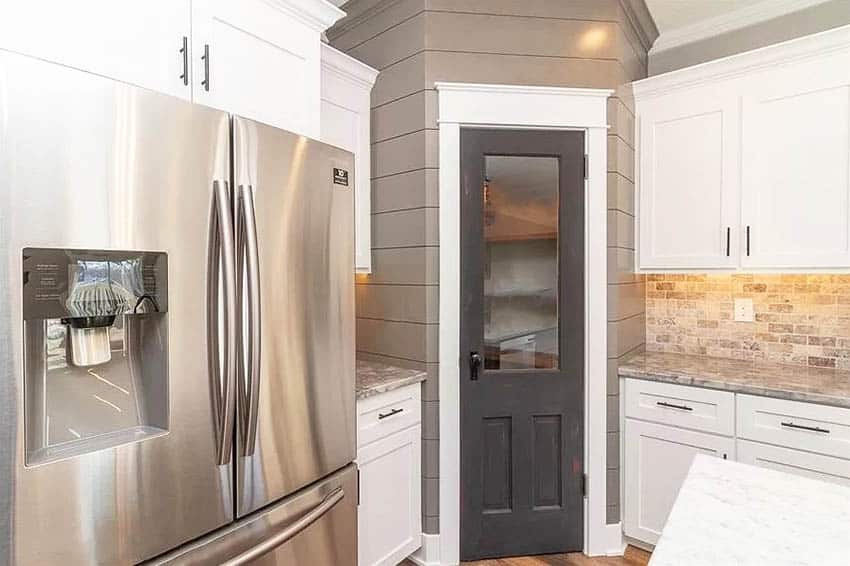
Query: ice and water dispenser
point(95, 349)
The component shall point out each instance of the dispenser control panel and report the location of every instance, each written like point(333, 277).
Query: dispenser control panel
point(72, 283)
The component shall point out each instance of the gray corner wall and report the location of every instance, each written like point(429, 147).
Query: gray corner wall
point(545, 42)
point(820, 17)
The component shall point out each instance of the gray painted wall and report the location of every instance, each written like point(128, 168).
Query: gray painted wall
point(822, 17)
point(580, 43)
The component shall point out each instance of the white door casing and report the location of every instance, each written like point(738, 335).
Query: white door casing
point(517, 107)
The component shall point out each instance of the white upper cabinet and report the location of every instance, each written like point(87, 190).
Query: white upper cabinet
point(795, 165)
point(688, 220)
point(744, 162)
point(136, 42)
point(261, 59)
point(345, 122)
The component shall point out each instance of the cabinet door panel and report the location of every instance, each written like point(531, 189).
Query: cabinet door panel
point(345, 123)
point(262, 63)
point(796, 166)
point(687, 182)
point(657, 460)
point(389, 521)
point(134, 42)
point(815, 466)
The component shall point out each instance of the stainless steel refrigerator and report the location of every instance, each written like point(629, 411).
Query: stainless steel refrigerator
point(176, 331)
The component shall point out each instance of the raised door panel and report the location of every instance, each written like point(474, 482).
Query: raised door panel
point(657, 460)
point(135, 42)
point(687, 181)
point(389, 517)
point(253, 59)
point(815, 466)
point(796, 166)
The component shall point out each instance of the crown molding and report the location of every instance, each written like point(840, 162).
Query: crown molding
point(730, 21)
point(347, 67)
point(817, 44)
point(641, 20)
point(357, 12)
point(317, 14)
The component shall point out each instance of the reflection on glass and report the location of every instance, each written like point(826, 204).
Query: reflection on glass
point(520, 262)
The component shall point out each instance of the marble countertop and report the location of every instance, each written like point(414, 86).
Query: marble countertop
point(374, 378)
point(737, 514)
point(813, 385)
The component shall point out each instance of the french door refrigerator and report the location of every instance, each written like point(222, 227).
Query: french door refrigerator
point(176, 331)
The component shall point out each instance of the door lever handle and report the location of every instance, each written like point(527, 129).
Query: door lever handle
point(475, 363)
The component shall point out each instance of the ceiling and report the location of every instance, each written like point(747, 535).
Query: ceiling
point(673, 14)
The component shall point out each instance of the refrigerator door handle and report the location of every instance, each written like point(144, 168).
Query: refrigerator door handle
point(221, 269)
point(249, 274)
point(290, 532)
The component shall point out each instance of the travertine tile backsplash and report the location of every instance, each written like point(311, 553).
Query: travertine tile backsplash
point(799, 319)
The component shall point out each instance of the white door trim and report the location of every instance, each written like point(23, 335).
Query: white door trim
point(480, 105)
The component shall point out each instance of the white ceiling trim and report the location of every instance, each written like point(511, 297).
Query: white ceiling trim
point(730, 21)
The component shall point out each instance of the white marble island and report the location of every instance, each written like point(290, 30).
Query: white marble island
point(728, 513)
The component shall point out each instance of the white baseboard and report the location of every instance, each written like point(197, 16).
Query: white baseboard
point(429, 553)
point(615, 545)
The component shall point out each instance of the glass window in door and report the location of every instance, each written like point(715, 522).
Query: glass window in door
point(520, 312)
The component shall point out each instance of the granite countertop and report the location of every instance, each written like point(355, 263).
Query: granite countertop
point(374, 378)
point(733, 513)
point(783, 381)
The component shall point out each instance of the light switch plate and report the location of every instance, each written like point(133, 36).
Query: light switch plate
point(744, 310)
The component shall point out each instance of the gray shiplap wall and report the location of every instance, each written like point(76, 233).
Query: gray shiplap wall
point(580, 43)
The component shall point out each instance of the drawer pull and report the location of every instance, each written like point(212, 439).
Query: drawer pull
point(672, 406)
point(382, 416)
point(804, 427)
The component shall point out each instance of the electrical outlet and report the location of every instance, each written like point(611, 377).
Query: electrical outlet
point(744, 310)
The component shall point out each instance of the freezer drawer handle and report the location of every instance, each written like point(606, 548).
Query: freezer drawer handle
point(221, 269)
point(382, 416)
point(248, 268)
point(804, 427)
point(673, 406)
point(291, 531)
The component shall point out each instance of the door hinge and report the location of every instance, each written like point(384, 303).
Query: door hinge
point(584, 485)
point(585, 166)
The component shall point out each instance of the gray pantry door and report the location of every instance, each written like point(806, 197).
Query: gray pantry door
point(522, 342)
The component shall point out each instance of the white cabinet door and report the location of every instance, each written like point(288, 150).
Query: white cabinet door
point(687, 180)
point(796, 165)
point(345, 122)
point(136, 42)
point(389, 521)
point(815, 466)
point(657, 459)
point(254, 59)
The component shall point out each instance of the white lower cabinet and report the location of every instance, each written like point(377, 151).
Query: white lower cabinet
point(657, 459)
point(389, 516)
point(665, 425)
point(815, 466)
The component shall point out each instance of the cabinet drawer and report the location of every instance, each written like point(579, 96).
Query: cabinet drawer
point(383, 414)
point(815, 466)
point(804, 426)
point(679, 405)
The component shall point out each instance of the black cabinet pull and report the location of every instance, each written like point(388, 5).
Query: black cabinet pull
point(185, 51)
point(382, 416)
point(728, 238)
point(748, 241)
point(804, 427)
point(672, 406)
point(206, 59)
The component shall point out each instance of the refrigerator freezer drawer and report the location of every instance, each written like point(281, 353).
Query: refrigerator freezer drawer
point(316, 526)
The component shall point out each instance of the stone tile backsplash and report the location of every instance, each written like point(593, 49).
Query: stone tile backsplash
point(799, 319)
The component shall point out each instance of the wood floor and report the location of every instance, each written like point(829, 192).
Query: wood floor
point(633, 557)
